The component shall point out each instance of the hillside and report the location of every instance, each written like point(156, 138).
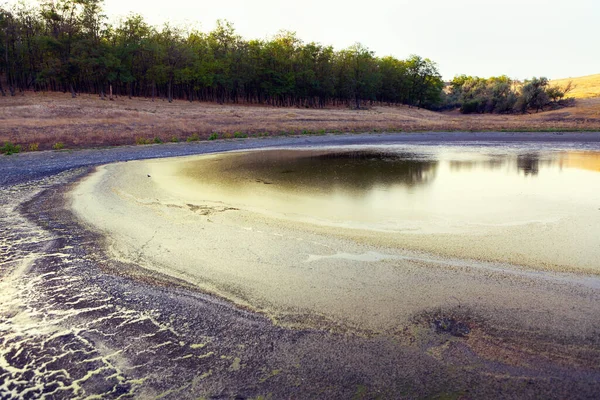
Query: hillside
point(86, 121)
point(585, 86)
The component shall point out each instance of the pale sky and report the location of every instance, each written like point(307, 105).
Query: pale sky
point(519, 38)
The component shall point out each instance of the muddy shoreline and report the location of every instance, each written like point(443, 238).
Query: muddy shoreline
point(78, 323)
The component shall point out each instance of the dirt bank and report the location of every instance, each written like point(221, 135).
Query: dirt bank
point(87, 121)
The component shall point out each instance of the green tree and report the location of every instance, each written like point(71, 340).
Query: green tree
point(68, 45)
point(359, 77)
point(533, 95)
point(425, 82)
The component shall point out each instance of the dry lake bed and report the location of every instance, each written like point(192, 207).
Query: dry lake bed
point(369, 266)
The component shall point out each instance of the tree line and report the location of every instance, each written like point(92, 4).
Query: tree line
point(69, 46)
point(501, 94)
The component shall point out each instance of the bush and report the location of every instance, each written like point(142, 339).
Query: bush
point(213, 136)
point(34, 146)
point(157, 140)
point(533, 95)
point(555, 93)
point(470, 106)
point(507, 104)
point(174, 139)
point(521, 105)
point(239, 135)
point(500, 94)
point(141, 141)
point(193, 138)
point(58, 146)
point(10, 148)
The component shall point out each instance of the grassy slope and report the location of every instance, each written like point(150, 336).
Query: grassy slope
point(88, 121)
point(585, 87)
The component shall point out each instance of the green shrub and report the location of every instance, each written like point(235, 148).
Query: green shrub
point(58, 146)
point(10, 148)
point(174, 139)
point(34, 146)
point(141, 141)
point(469, 107)
point(213, 136)
point(193, 138)
point(157, 140)
point(239, 135)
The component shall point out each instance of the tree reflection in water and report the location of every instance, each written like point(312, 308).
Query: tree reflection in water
point(355, 172)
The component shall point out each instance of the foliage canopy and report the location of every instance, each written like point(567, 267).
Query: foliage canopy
point(68, 45)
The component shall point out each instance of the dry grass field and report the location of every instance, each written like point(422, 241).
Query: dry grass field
point(585, 87)
point(41, 120)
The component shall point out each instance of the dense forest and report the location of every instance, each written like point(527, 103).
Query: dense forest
point(69, 46)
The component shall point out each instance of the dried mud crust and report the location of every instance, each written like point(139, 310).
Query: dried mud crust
point(74, 323)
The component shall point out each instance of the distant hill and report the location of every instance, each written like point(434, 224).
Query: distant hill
point(585, 86)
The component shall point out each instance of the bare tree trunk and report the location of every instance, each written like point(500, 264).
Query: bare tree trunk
point(170, 92)
point(73, 94)
point(2, 90)
point(8, 74)
point(110, 92)
point(153, 90)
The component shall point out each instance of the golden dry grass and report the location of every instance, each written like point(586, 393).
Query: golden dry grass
point(585, 87)
point(88, 121)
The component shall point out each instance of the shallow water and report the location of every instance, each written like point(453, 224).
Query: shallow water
point(364, 237)
point(420, 190)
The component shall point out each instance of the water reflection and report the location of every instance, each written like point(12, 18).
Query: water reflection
point(581, 160)
point(491, 163)
point(529, 164)
point(351, 171)
point(431, 189)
